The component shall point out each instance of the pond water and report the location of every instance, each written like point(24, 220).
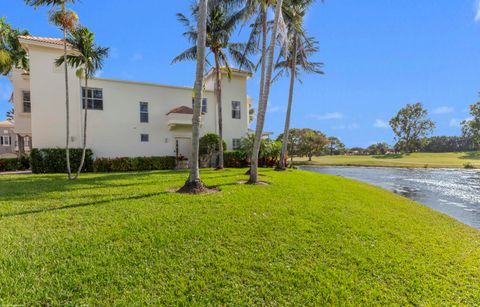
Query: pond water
point(455, 192)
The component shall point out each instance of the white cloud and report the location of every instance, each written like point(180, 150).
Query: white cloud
point(380, 124)
point(274, 109)
point(477, 10)
point(443, 110)
point(137, 57)
point(455, 122)
point(99, 74)
point(328, 116)
point(353, 126)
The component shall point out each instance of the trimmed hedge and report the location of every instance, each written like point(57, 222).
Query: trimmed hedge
point(53, 160)
point(105, 165)
point(15, 164)
point(235, 159)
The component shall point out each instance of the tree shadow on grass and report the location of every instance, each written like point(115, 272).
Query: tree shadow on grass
point(34, 186)
point(80, 205)
point(473, 155)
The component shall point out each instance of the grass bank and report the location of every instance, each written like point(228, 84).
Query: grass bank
point(414, 160)
point(120, 239)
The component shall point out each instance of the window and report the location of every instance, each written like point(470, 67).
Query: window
point(144, 137)
point(27, 104)
point(204, 104)
point(236, 144)
point(144, 112)
point(236, 112)
point(5, 140)
point(95, 98)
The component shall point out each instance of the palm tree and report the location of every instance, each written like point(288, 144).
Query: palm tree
point(221, 24)
point(301, 47)
point(264, 94)
point(12, 55)
point(66, 20)
point(194, 184)
point(87, 58)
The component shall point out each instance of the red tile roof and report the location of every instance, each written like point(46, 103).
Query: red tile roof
point(47, 40)
point(181, 110)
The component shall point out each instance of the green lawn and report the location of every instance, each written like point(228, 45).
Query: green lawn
point(307, 239)
point(419, 160)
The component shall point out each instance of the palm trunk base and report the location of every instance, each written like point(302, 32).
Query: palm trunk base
point(219, 168)
point(280, 168)
point(193, 187)
point(248, 172)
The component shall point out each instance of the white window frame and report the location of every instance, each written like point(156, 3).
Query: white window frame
point(236, 110)
point(93, 99)
point(29, 101)
point(238, 145)
point(147, 139)
point(145, 113)
point(5, 140)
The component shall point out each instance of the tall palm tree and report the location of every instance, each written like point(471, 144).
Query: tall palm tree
point(300, 48)
point(263, 101)
point(12, 55)
point(87, 59)
point(66, 20)
point(194, 184)
point(221, 25)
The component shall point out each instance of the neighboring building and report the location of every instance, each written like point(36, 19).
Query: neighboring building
point(124, 118)
point(9, 141)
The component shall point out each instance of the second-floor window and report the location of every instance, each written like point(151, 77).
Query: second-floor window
point(204, 104)
point(95, 98)
point(144, 138)
point(236, 110)
point(27, 103)
point(144, 112)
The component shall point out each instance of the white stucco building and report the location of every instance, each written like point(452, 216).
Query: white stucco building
point(125, 118)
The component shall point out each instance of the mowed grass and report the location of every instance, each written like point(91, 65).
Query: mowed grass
point(307, 239)
point(416, 160)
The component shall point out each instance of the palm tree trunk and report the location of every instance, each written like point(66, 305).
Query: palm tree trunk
point(218, 93)
point(84, 151)
point(67, 100)
point(262, 104)
point(286, 130)
point(194, 184)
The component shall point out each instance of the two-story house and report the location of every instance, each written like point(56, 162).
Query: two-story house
point(126, 118)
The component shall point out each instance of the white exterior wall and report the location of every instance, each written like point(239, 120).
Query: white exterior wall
point(115, 131)
point(22, 120)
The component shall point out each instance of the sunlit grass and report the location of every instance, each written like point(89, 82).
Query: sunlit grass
point(306, 239)
point(419, 160)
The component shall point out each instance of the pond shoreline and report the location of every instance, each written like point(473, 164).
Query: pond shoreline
point(451, 191)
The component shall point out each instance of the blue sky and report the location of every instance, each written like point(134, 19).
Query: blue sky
point(379, 55)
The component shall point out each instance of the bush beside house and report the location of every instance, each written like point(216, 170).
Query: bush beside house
point(105, 165)
point(52, 160)
point(15, 164)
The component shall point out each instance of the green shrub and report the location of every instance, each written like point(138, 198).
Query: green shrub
point(14, 164)
point(468, 165)
point(235, 159)
point(53, 160)
point(104, 165)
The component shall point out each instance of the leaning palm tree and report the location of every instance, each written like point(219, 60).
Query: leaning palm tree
point(263, 101)
point(300, 48)
point(194, 184)
point(66, 20)
point(221, 25)
point(87, 58)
